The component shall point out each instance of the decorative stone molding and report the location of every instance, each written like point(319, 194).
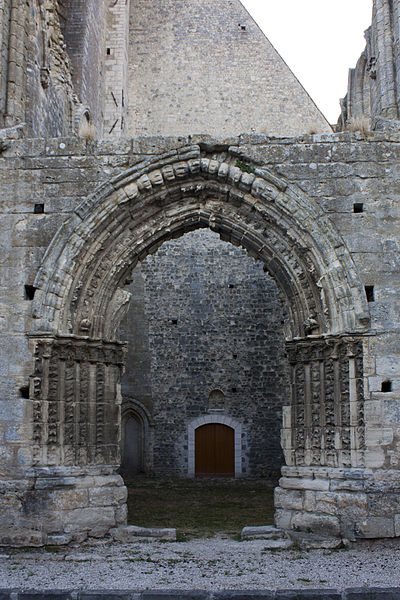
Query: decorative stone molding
point(75, 401)
point(324, 424)
point(223, 420)
point(167, 195)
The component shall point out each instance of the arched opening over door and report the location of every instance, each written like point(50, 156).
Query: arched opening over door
point(131, 446)
point(81, 299)
point(136, 439)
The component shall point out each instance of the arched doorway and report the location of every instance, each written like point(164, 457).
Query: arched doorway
point(80, 300)
point(132, 446)
point(214, 451)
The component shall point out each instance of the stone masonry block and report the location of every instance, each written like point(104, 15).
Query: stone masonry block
point(316, 594)
point(175, 595)
point(304, 484)
point(376, 527)
point(243, 595)
point(289, 499)
point(326, 525)
point(372, 594)
point(46, 595)
point(109, 595)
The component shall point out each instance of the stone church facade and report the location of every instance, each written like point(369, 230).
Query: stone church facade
point(125, 126)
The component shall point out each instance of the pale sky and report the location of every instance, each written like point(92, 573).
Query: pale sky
point(319, 40)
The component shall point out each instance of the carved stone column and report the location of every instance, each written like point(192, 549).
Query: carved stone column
point(323, 439)
point(72, 490)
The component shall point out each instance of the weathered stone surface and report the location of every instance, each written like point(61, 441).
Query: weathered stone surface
point(20, 537)
point(373, 527)
point(97, 521)
point(264, 532)
point(324, 525)
point(174, 594)
point(289, 499)
point(131, 533)
point(282, 544)
point(372, 594)
point(112, 594)
point(244, 595)
point(58, 540)
point(314, 594)
point(46, 595)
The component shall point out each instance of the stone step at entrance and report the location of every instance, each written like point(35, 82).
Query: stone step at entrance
point(275, 538)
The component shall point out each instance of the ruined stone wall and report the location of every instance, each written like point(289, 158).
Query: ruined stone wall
point(85, 30)
point(116, 70)
point(352, 180)
point(343, 175)
point(210, 319)
point(374, 84)
point(197, 66)
point(54, 64)
point(51, 106)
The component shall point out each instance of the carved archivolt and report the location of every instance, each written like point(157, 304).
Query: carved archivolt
point(133, 214)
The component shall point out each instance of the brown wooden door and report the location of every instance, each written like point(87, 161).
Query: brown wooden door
point(214, 451)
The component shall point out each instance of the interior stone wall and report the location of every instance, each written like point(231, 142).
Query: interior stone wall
point(205, 317)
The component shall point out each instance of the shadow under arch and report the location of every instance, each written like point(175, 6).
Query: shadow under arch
point(81, 299)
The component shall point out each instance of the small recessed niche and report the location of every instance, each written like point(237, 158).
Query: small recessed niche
point(358, 207)
point(38, 209)
point(174, 321)
point(24, 392)
point(216, 400)
point(231, 286)
point(386, 386)
point(108, 51)
point(370, 293)
point(234, 390)
point(234, 355)
point(29, 292)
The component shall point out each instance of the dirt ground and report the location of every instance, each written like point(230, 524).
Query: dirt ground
point(200, 507)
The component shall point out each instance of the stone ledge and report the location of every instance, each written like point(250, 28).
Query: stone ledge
point(283, 594)
point(131, 533)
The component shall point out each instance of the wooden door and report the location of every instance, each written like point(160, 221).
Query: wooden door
point(214, 451)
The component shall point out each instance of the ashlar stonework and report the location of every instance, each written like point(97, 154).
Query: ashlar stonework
point(86, 199)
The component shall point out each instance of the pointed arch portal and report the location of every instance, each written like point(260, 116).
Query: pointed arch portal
point(81, 299)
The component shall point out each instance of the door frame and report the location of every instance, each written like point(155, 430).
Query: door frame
point(222, 420)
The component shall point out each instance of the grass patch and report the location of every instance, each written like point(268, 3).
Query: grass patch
point(200, 508)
